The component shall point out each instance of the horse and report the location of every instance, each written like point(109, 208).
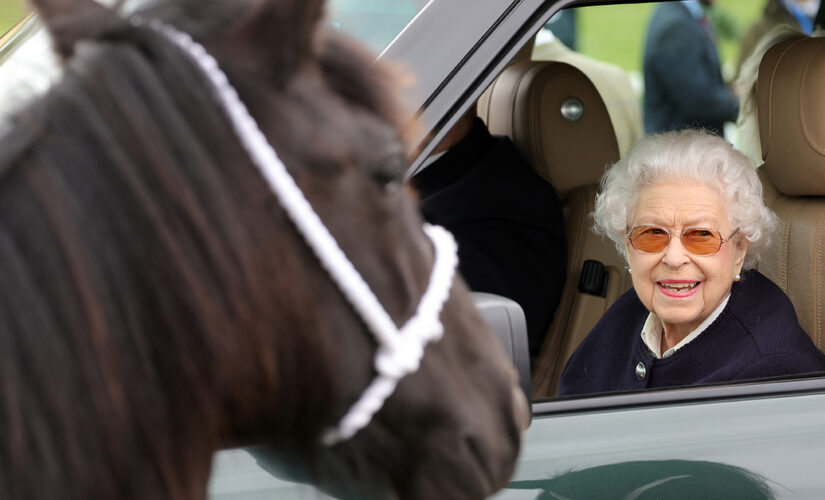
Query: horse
point(158, 303)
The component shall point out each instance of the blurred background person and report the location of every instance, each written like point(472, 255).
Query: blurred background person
point(794, 14)
point(684, 87)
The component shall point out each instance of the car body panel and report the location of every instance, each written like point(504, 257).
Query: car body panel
point(778, 439)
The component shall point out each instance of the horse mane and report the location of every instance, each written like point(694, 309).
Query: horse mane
point(149, 286)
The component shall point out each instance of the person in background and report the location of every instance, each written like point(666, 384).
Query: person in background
point(796, 14)
point(506, 219)
point(686, 210)
point(776, 25)
point(683, 81)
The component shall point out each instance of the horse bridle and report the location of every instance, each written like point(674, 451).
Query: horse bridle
point(400, 350)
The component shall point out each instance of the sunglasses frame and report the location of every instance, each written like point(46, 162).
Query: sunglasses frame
point(722, 241)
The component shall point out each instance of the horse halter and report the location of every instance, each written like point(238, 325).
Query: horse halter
point(399, 351)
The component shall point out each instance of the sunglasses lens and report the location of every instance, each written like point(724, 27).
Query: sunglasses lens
point(701, 241)
point(649, 239)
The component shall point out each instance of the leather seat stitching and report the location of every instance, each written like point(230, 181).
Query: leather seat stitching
point(786, 244)
point(817, 297)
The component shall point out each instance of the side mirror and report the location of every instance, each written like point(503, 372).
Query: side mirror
point(507, 320)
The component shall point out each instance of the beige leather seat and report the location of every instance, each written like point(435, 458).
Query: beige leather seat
point(791, 109)
point(526, 103)
point(612, 82)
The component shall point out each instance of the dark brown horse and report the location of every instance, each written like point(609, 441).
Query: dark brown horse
point(157, 305)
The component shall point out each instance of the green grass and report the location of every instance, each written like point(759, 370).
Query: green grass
point(616, 33)
point(11, 11)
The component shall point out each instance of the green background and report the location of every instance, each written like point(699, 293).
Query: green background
point(616, 33)
point(11, 11)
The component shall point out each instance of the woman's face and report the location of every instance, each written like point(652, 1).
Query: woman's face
point(681, 288)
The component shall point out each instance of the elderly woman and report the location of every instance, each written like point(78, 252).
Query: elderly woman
point(686, 210)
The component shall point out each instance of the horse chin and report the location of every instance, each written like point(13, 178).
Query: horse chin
point(450, 464)
point(341, 471)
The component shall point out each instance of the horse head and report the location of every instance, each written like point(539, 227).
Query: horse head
point(161, 303)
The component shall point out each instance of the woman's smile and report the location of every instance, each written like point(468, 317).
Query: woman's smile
point(678, 288)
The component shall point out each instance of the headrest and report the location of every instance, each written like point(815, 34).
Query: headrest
point(791, 109)
point(556, 118)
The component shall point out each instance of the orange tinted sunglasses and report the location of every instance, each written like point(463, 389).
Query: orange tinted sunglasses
point(696, 240)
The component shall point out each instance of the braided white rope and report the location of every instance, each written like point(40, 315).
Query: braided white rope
point(400, 351)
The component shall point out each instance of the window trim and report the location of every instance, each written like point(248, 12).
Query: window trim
point(783, 387)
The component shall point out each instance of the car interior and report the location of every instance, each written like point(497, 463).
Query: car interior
point(557, 117)
point(552, 142)
point(793, 147)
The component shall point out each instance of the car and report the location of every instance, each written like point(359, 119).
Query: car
point(750, 440)
point(758, 439)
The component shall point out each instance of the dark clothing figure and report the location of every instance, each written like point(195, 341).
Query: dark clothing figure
point(506, 219)
point(756, 335)
point(683, 81)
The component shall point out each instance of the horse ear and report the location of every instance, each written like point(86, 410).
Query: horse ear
point(283, 32)
point(69, 21)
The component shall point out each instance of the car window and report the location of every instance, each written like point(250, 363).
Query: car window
point(374, 22)
point(591, 32)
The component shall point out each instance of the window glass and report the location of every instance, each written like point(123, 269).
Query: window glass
point(374, 22)
point(587, 37)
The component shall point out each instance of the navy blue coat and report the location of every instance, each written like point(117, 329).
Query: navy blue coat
point(756, 335)
point(507, 221)
point(683, 81)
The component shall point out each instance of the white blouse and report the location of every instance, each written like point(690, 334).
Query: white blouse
point(653, 329)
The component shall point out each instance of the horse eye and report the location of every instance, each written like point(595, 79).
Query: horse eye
point(389, 170)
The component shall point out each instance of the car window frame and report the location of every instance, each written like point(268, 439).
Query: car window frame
point(441, 98)
point(812, 383)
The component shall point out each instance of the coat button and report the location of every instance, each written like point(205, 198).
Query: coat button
point(641, 371)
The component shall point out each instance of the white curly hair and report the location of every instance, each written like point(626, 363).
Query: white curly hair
point(685, 156)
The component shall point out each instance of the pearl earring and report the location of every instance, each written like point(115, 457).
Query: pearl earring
point(737, 277)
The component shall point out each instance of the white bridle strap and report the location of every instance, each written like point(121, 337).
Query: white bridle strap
point(400, 351)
